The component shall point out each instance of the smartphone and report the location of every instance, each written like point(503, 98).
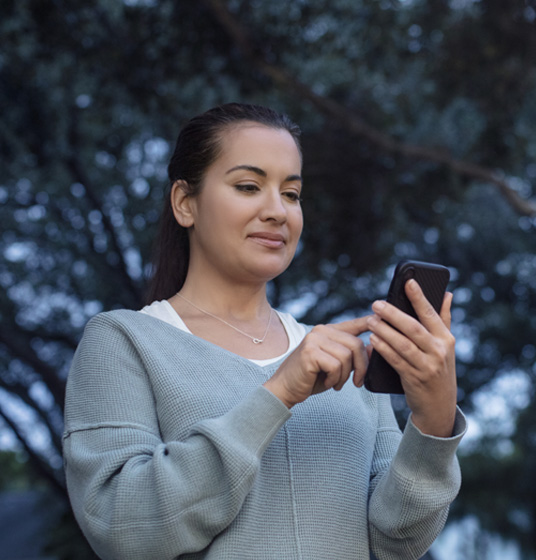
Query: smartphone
point(433, 279)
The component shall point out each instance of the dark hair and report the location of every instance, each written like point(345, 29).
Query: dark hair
point(198, 146)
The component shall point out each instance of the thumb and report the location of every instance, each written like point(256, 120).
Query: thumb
point(445, 309)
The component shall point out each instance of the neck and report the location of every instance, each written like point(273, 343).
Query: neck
point(205, 303)
point(244, 302)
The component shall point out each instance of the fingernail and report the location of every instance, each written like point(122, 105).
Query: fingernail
point(412, 284)
point(378, 305)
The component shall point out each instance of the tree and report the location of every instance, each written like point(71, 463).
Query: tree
point(418, 122)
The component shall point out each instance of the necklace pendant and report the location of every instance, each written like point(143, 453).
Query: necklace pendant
point(255, 340)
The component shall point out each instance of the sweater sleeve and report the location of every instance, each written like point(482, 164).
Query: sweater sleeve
point(411, 493)
point(134, 495)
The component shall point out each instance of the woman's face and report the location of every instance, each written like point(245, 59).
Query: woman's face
point(247, 219)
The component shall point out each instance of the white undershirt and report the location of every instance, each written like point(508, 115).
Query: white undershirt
point(164, 311)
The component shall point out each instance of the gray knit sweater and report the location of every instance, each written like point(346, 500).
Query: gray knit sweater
point(173, 449)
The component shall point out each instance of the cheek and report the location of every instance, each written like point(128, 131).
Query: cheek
point(297, 223)
point(295, 228)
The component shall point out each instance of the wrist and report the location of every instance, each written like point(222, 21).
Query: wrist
point(279, 392)
point(441, 426)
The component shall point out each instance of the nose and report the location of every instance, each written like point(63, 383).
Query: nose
point(273, 207)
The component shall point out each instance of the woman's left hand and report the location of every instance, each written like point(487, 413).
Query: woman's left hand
point(423, 355)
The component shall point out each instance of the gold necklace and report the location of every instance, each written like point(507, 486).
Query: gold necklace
point(253, 338)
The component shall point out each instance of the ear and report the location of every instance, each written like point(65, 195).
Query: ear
point(181, 204)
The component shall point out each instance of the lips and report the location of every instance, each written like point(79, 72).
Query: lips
point(272, 240)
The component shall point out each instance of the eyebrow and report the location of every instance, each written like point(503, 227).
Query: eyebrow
point(261, 172)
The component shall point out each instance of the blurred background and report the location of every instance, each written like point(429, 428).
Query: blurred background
point(419, 134)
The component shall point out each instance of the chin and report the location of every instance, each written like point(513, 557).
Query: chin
point(267, 269)
point(269, 273)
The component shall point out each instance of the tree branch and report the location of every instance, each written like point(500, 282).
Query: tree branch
point(79, 175)
point(25, 353)
point(22, 392)
point(351, 122)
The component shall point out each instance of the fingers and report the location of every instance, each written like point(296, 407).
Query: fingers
point(398, 349)
point(354, 327)
point(402, 340)
point(334, 362)
point(339, 351)
point(445, 309)
point(361, 353)
point(423, 353)
point(424, 309)
point(418, 331)
point(324, 360)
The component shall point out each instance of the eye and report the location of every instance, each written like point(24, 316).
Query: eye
point(247, 188)
point(293, 196)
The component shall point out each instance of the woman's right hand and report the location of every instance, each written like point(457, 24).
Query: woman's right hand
point(324, 360)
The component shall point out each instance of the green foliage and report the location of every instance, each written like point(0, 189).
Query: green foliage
point(15, 473)
point(94, 94)
point(499, 488)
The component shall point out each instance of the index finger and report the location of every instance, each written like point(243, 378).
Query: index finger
point(355, 326)
point(426, 313)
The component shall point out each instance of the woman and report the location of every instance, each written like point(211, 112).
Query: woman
point(204, 426)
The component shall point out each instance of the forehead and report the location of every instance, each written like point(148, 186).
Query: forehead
point(256, 144)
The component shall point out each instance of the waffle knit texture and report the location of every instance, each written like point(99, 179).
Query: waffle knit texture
point(173, 449)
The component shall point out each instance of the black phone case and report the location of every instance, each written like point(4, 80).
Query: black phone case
point(433, 279)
